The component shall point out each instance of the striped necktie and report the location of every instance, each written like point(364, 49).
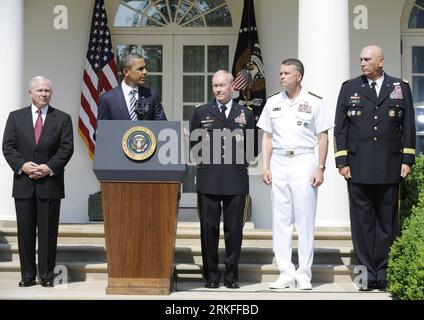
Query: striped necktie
point(133, 101)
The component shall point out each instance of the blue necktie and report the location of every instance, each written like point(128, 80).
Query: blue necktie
point(133, 101)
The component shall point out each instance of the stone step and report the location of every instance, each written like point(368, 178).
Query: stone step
point(92, 271)
point(190, 254)
point(94, 233)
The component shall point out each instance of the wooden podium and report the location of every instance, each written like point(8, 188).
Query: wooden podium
point(140, 204)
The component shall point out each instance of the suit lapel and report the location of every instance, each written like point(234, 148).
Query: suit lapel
point(365, 89)
point(29, 125)
point(385, 90)
point(214, 110)
point(122, 104)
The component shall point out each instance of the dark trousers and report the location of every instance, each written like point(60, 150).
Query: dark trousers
point(43, 215)
point(210, 213)
point(374, 224)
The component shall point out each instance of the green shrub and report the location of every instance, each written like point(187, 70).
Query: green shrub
point(410, 188)
point(405, 273)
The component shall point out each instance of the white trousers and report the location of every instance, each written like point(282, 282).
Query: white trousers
point(293, 201)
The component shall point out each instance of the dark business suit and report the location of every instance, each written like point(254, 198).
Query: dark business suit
point(37, 201)
point(374, 136)
point(112, 105)
point(218, 182)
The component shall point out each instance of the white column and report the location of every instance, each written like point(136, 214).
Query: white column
point(324, 51)
point(11, 35)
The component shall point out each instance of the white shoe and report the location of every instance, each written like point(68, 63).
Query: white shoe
point(282, 282)
point(304, 285)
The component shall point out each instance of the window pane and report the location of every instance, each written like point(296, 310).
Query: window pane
point(196, 23)
point(155, 82)
point(163, 8)
point(126, 17)
point(194, 59)
point(188, 112)
point(416, 19)
point(153, 58)
point(194, 90)
point(136, 4)
point(206, 5)
point(194, 12)
point(173, 4)
point(418, 90)
point(219, 18)
point(217, 58)
point(154, 15)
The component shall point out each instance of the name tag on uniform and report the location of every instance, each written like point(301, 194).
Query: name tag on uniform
point(276, 109)
point(305, 107)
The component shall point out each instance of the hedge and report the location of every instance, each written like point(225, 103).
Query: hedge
point(405, 273)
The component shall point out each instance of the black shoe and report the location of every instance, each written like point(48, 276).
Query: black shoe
point(27, 283)
point(232, 285)
point(211, 285)
point(47, 283)
point(381, 285)
point(371, 285)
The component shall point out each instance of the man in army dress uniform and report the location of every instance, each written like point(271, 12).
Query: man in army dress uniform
point(221, 126)
point(374, 148)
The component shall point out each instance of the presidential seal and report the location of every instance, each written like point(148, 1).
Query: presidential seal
point(139, 143)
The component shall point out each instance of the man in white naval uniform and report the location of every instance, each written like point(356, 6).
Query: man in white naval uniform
point(295, 121)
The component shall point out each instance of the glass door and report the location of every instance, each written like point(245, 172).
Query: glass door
point(196, 59)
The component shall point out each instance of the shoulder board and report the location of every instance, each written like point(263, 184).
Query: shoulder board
point(274, 94)
point(405, 81)
point(315, 95)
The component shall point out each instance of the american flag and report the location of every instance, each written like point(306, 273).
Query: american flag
point(243, 80)
point(100, 74)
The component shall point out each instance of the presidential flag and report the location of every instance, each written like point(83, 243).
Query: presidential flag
point(100, 74)
point(248, 70)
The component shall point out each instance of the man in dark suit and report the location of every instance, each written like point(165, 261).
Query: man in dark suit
point(375, 147)
point(131, 100)
point(221, 176)
point(37, 144)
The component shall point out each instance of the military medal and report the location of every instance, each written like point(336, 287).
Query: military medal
point(349, 113)
point(397, 91)
point(299, 123)
point(391, 113)
point(359, 113)
point(400, 114)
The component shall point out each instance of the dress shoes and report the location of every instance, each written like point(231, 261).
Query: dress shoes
point(381, 285)
point(47, 283)
point(304, 285)
point(232, 285)
point(283, 282)
point(211, 285)
point(371, 285)
point(27, 283)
